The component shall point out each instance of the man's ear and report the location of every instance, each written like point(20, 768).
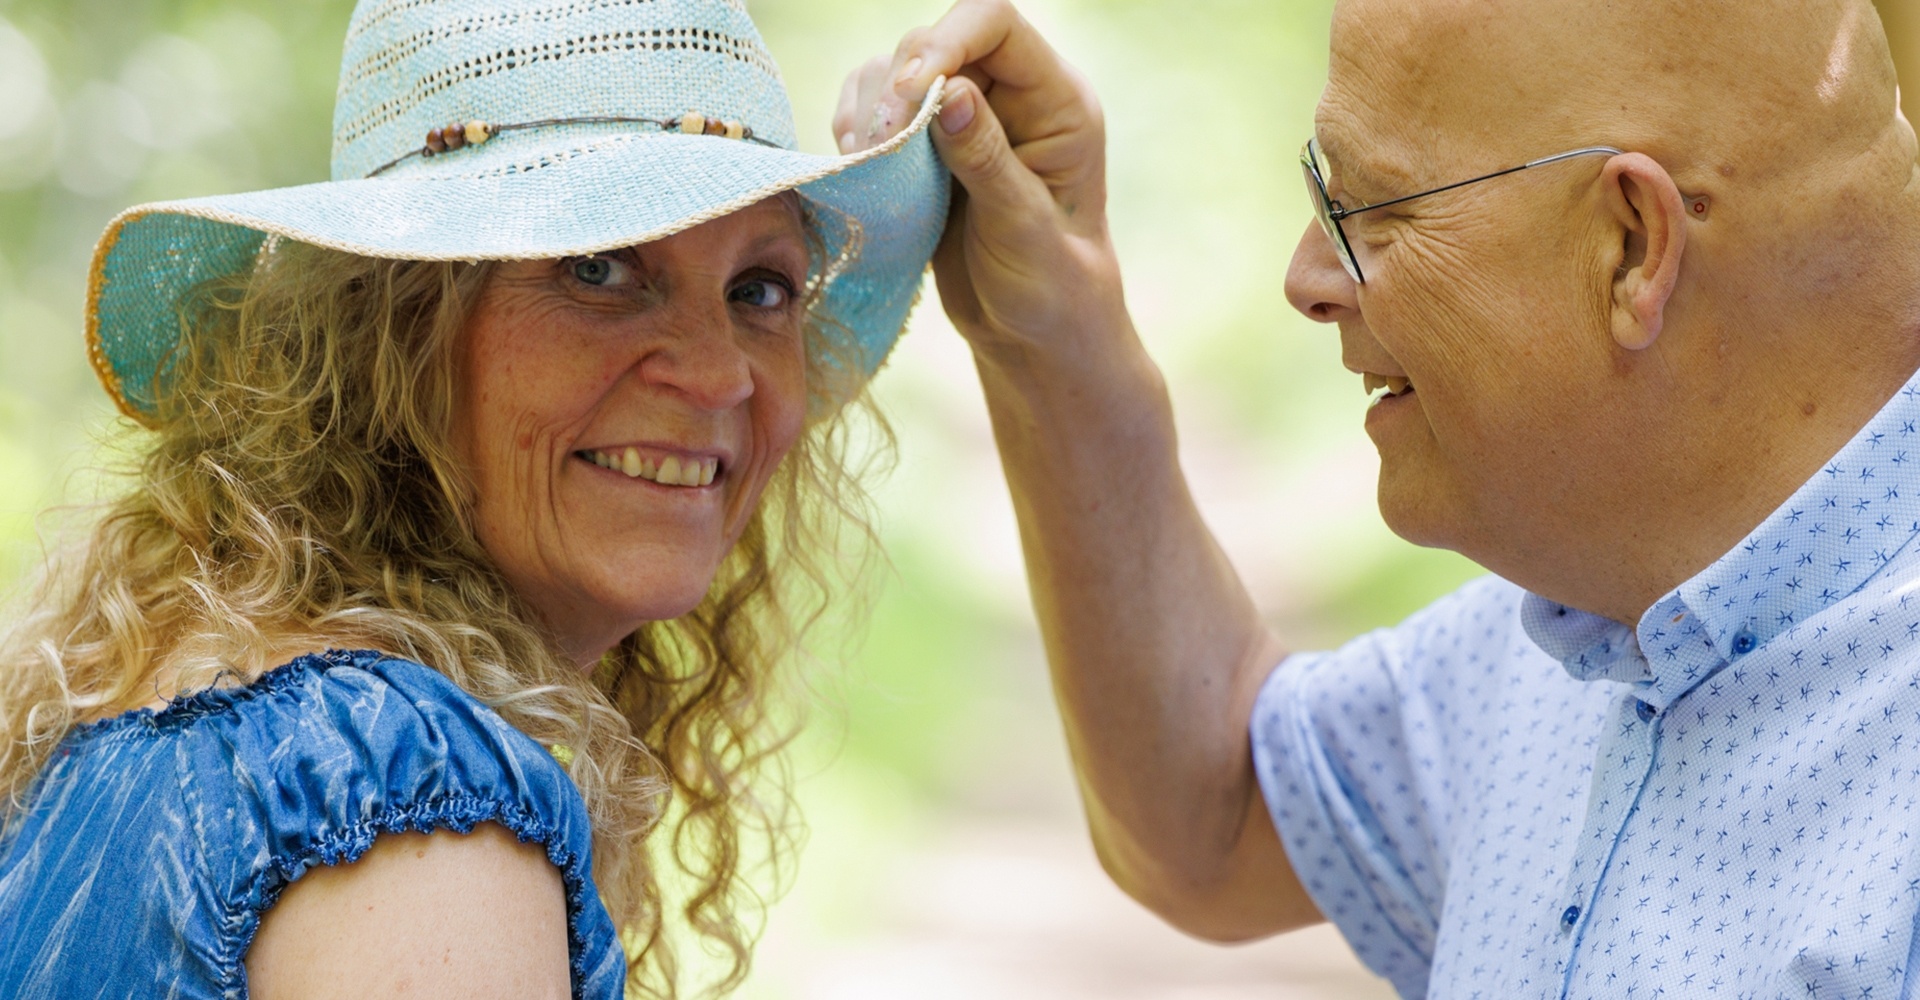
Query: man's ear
point(1648, 207)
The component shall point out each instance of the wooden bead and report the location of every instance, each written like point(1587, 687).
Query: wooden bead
point(456, 135)
point(478, 132)
point(716, 127)
point(694, 123)
point(735, 130)
point(437, 141)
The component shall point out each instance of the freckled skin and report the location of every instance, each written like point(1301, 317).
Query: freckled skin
point(679, 353)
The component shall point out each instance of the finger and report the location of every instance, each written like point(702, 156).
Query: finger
point(844, 111)
point(950, 272)
point(875, 122)
point(989, 34)
point(1005, 196)
point(1061, 142)
point(889, 112)
point(905, 52)
point(857, 98)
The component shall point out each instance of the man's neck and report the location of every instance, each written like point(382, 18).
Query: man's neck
point(1752, 451)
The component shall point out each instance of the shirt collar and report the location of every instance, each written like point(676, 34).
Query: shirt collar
point(1818, 548)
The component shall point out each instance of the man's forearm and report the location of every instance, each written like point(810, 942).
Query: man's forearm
point(1155, 646)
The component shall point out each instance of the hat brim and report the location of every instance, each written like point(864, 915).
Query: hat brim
point(885, 209)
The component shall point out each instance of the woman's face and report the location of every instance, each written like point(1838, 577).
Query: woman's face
point(620, 415)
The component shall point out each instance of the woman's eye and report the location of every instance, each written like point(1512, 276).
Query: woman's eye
point(762, 294)
point(601, 271)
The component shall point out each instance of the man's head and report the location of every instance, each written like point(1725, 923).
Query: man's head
point(1619, 364)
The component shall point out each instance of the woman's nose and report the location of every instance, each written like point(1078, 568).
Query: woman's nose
point(702, 360)
point(1317, 284)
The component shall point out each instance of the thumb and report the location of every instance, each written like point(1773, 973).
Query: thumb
point(973, 143)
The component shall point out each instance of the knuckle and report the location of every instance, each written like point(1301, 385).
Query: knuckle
point(987, 160)
point(909, 43)
point(1093, 113)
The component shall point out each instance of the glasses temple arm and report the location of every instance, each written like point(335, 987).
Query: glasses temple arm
point(1543, 161)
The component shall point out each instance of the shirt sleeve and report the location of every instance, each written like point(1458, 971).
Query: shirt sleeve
point(1350, 748)
point(321, 761)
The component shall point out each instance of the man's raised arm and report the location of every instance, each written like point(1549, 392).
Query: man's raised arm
point(1156, 649)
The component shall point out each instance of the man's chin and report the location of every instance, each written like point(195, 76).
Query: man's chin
point(1416, 511)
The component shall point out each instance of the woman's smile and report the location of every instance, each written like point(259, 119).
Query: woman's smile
point(676, 470)
point(665, 383)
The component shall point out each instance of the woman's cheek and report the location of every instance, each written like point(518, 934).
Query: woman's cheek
point(793, 416)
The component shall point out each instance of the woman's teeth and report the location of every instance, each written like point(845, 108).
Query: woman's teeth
point(1394, 385)
point(669, 471)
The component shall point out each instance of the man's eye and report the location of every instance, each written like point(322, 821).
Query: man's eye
point(601, 271)
point(762, 294)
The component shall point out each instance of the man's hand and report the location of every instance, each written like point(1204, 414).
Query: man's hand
point(1026, 256)
point(1155, 648)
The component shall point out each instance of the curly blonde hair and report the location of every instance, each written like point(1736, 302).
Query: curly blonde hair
point(298, 488)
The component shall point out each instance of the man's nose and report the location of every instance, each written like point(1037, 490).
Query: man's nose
point(1317, 284)
point(702, 361)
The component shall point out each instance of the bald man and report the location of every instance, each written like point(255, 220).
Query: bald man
point(1636, 288)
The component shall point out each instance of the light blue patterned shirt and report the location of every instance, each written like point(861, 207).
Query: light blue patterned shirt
point(1504, 798)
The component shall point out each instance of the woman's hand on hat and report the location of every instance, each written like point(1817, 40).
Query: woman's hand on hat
point(1026, 258)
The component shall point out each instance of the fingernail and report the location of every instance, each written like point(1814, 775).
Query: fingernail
point(847, 139)
point(910, 72)
point(957, 113)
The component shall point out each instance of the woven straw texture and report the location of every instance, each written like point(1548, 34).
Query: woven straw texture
point(554, 191)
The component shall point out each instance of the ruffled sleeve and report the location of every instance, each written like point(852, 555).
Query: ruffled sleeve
point(322, 756)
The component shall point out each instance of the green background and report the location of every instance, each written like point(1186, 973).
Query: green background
point(937, 734)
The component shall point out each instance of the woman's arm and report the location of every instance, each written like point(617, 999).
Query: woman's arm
point(425, 915)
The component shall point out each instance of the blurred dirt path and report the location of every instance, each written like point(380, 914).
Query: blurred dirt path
point(1021, 911)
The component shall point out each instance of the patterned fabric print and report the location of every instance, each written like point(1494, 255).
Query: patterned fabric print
point(154, 842)
point(1503, 797)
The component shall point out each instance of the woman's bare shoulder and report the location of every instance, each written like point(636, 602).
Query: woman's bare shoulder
point(427, 915)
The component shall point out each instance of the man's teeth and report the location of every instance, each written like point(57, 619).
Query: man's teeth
point(1395, 385)
point(669, 471)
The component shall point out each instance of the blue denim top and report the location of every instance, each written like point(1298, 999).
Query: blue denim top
point(153, 841)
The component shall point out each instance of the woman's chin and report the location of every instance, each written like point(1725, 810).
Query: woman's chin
point(650, 590)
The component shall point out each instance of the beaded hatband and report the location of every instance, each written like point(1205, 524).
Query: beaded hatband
point(459, 135)
point(604, 152)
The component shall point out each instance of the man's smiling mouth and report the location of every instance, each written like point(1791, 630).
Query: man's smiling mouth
point(1381, 387)
point(669, 471)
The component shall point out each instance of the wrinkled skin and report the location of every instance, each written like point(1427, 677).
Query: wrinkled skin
point(1609, 392)
point(688, 347)
point(1594, 365)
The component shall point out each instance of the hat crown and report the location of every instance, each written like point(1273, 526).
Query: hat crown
point(410, 66)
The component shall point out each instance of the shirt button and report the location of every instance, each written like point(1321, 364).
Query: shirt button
point(1568, 918)
point(1644, 710)
point(1743, 642)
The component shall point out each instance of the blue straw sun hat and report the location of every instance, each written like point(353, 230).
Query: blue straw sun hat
point(533, 129)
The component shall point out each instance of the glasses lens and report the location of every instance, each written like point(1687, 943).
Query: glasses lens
point(1323, 209)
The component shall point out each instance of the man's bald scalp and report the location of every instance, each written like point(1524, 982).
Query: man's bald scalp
point(1749, 86)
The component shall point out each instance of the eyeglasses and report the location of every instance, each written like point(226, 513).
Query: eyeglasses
point(1330, 212)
